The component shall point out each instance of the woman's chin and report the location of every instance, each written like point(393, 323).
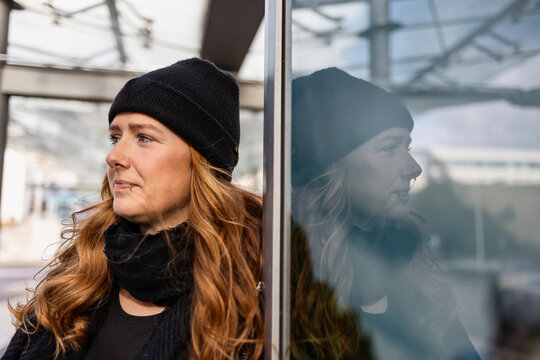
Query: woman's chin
point(398, 213)
point(128, 213)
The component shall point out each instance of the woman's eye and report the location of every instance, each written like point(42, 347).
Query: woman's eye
point(114, 139)
point(145, 139)
point(390, 149)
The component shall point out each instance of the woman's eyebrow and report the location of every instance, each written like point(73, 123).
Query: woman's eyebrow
point(395, 138)
point(134, 127)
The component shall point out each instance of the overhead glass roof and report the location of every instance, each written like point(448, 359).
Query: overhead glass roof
point(125, 34)
point(462, 42)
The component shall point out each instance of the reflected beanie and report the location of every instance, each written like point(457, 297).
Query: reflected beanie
point(194, 99)
point(332, 114)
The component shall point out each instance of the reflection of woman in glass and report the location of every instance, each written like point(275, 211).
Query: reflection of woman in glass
point(166, 266)
point(352, 173)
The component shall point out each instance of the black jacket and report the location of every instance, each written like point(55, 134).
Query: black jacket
point(170, 339)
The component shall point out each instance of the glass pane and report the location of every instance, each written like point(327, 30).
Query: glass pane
point(415, 185)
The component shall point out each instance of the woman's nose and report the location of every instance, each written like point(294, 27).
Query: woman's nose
point(117, 157)
point(411, 169)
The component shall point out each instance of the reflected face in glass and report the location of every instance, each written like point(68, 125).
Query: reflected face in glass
point(149, 172)
point(378, 174)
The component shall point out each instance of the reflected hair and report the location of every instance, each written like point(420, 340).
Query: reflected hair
point(226, 315)
point(322, 327)
point(322, 209)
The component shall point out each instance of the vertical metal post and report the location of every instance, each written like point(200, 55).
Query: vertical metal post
point(273, 187)
point(286, 187)
point(379, 46)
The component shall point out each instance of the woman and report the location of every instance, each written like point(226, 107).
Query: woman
point(363, 251)
point(166, 265)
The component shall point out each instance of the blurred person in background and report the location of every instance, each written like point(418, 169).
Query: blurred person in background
point(166, 265)
point(363, 284)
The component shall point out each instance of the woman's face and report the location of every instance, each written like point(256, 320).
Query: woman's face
point(149, 172)
point(378, 174)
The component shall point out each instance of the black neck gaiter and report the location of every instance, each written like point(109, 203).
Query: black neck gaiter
point(145, 267)
point(379, 258)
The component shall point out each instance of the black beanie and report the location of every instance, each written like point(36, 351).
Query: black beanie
point(332, 114)
point(194, 99)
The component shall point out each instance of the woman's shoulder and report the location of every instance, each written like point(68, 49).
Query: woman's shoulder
point(40, 343)
point(36, 345)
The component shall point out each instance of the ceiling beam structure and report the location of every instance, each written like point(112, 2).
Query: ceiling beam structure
point(229, 29)
point(469, 39)
point(115, 27)
point(422, 98)
point(102, 86)
point(91, 85)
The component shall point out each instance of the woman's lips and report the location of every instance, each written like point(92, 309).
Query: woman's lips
point(402, 194)
point(118, 186)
